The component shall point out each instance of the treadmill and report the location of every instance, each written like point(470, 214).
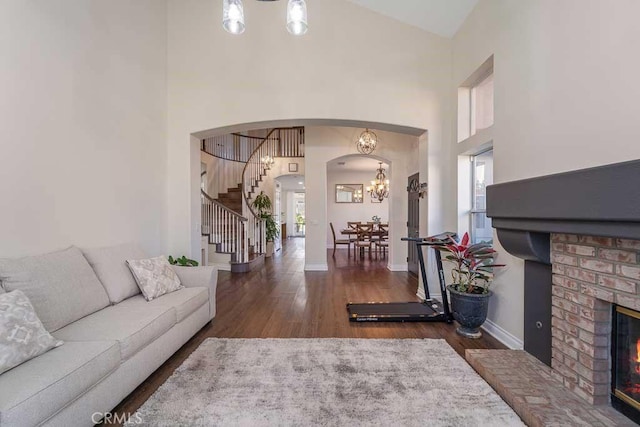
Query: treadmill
point(427, 310)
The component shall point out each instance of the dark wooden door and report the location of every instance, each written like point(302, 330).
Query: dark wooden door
point(413, 222)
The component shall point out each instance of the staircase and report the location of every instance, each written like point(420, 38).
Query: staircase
point(232, 199)
point(235, 233)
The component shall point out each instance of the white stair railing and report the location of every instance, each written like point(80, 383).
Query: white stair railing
point(230, 231)
point(279, 142)
point(225, 228)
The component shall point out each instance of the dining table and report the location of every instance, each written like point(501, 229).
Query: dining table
point(375, 233)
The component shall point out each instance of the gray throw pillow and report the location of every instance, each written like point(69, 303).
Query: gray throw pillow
point(154, 276)
point(110, 264)
point(61, 286)
point(22, 334)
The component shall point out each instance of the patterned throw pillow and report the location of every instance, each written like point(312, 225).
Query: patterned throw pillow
point(22, 335)
point(154, 276)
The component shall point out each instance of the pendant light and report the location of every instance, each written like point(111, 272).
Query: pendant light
point(367, 142)
point(379, 188)
point(297, 17)
point(233, 16)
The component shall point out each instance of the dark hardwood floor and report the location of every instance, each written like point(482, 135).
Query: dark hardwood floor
point(282, 301)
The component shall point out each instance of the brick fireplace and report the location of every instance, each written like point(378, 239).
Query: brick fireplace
point(589, 275)
point(579, 235)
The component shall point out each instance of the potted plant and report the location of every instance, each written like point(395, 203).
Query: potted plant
point(472, 275)
point(262, 203)
point(183, 261)
point(299, 224)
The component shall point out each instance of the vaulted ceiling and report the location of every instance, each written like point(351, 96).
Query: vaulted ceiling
point(442, 17)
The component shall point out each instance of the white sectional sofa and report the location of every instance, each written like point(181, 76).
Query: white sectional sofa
point(113, 338)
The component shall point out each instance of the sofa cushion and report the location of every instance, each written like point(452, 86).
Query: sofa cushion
point(134, 326)
point(22, 335)
point(110, 264)
point(185, 301)
point(33, 391)
point(154, 276)
point(61, 286)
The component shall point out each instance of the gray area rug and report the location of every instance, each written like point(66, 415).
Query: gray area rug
point(333, 382)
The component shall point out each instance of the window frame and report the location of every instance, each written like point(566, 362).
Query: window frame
point(467, 107)
point(474, 209)
point(473, 104)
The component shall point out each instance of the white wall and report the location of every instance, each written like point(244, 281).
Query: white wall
point(217, 79)
point(83, 109)
point(327, 143)
point(340, 213)
point(221, 174)
point(566, 96)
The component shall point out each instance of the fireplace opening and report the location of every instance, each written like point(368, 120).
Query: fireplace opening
point(625, 347)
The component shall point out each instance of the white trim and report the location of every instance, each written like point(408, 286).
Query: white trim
point(316, 267)
point(397, 267)
point(420, 294)
point(506, 338)
point(223, 266)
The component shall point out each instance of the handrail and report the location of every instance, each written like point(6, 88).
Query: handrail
point(230, 231)
point(249, 136)
point(223, 207)
point(286, 144)
point(244, 171)
point(237, 147)
point(234, 147)
point(224, 228)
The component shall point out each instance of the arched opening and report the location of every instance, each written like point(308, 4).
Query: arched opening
point(326, 140)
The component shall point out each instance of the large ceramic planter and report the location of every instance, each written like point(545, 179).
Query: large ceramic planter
point(470, 311)
point(269, 249)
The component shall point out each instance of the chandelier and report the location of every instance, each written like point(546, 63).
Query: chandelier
point(267, 161)
point(367, 142)
point(379, 188)
point(233, 16)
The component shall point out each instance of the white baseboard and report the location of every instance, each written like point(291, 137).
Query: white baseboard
point(397, 267)
point(420, 294)
point(316, 267)
point(506, 338)
point(222, 266)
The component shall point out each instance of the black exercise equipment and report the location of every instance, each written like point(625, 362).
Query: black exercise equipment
point(428, 310)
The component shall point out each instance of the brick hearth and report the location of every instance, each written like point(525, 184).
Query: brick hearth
point(589, 275)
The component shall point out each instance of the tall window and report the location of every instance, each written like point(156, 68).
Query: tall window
point(475, 101)
point(481, 105)
point(481, 177)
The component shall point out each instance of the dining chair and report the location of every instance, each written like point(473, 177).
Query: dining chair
point(363, 240)
point(337, 242)
point(353, 224)
point(381, 239)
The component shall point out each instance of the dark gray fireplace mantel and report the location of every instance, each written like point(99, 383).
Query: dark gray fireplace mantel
point(600, 201)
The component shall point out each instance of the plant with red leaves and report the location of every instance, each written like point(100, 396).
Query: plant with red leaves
point(473, 264)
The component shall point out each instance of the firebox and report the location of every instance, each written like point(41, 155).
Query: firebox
point(625, 374)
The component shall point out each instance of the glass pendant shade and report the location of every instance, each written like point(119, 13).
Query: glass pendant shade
point(233, 16)
point(297, 17)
